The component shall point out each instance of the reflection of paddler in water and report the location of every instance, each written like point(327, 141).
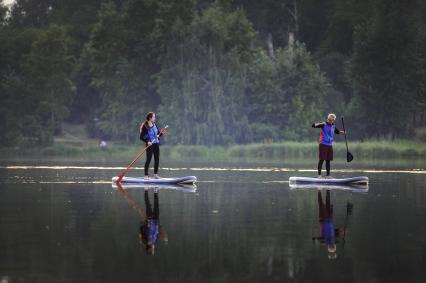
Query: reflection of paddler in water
point(329, 235)
point(151, 230)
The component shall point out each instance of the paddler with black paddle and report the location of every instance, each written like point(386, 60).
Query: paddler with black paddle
point(150, 134)
point(327, 131)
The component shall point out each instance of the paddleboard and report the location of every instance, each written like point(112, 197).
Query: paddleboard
point(178, 187)
point(162, 181)
point(352, 188)
point(335, 181)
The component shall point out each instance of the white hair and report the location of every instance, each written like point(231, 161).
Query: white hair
point(331, 116)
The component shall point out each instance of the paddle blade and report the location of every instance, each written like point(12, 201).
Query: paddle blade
point(349, 156)
point(120, 177)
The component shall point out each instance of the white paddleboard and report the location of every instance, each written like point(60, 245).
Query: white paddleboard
point(142, 181)
point(352, 188)
point(179, 187)
point(335, 181)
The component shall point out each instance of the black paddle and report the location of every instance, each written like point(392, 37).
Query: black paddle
point(349, 207)
point(349, 156)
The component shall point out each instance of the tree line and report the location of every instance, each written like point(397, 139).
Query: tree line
point(217, 72)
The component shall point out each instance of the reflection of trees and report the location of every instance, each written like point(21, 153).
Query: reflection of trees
point(246, 233)
point(392, 232)
point(46, 231)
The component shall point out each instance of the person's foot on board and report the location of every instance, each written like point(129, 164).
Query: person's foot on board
point(329, 177)
point(320, 177)
point(146, 178)
point(156, 176)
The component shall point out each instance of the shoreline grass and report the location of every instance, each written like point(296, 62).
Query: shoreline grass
point(368, 150)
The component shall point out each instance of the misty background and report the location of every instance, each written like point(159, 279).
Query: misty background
point(217, 72)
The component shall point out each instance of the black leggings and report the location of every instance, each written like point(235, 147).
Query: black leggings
point(327, 211)
point(152, 213)
point(154, 148)
point(327, 166)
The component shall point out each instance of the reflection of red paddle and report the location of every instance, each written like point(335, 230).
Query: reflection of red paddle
point(130, 201)
point(162, 132)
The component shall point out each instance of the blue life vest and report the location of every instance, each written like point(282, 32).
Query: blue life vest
point(152, 230)
point(327, 134)
point(328, 231)
point(152, 134)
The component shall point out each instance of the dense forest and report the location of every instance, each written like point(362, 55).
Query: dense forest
point(217, 72)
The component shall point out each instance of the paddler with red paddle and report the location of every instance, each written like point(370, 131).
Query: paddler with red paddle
point(150, 134)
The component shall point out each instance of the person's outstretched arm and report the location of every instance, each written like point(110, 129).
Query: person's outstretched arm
point(318, 125)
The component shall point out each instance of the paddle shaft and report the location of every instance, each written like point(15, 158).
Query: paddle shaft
point(346, 140)
point(131, 163)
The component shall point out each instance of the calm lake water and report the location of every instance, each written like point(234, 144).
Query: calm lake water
point(240, 224)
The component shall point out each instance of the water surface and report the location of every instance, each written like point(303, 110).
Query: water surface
point(65, 223)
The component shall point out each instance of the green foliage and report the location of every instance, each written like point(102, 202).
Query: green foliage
point(287, 93)
point(387, 68)
point(218, 72)
point(344, 16)
point(3, 13)
point(31, 14)
point(47, 74)
point(126, 44)
point(203, 78)
point(283, 152)
point(41, 88)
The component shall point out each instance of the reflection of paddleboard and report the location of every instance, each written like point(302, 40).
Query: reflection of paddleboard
point(185, 188)
point(352, 188)
point(142, 181)
point(326, 182)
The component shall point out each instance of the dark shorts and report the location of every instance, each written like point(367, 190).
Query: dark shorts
point(325, 152)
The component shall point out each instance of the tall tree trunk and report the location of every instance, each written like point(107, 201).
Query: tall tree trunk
point(270, 44)
point(295, 15)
